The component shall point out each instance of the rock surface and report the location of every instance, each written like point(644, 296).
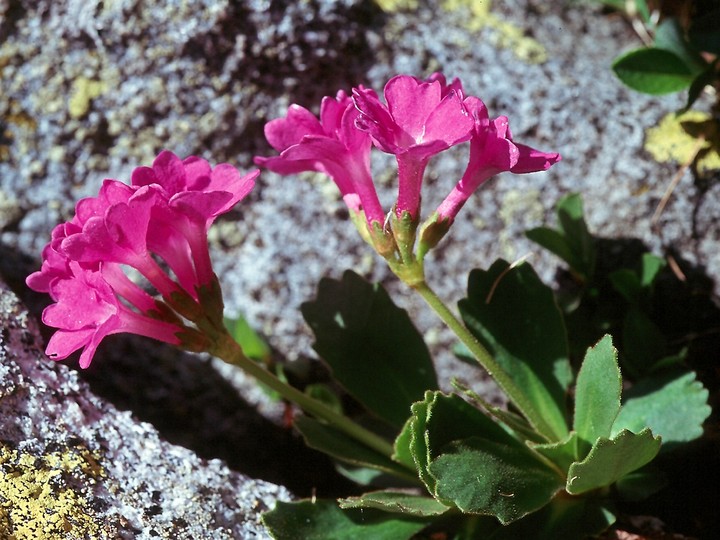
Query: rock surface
point(74, 466)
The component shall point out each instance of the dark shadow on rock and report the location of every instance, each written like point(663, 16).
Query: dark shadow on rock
point(9, 19)
point(306, 51)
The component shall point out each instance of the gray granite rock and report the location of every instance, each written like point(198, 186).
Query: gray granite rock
point(73, 466)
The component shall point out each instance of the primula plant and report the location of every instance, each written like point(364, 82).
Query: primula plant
point(433, 464)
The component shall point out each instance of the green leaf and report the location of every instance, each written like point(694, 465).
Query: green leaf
point(515, 316)
point(340, 446)
point(631, 284)
point(611, 459)
point(565, 517)
point(513, 422)
point(401, 447)
point(481, 476)
point(572, 224)
point(653, 71)
point(365, 476)
point(640, 484)
point(597, 392)
point(436, 422)
point(616, 4)
point(324, 520)
point(417, 446)
point(643, 10)
point(450, 418)
point(651, 266)
point(644, 344)
point(250, 341)
point(627, 283)
point(706, 78)
point(359, 331)
point(555, 242)
point(573, 243)
point(396, 502)
point(670, 37)
point(562, 453)
point(324, 394)
point(674, 405)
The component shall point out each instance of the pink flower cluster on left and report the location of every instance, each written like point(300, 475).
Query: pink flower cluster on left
point(164, 215)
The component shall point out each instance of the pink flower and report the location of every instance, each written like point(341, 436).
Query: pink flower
point(492, 150)
point(330, 145)
point(168, 212)
point(87, 309)
point(164, 215)
point(421, 119)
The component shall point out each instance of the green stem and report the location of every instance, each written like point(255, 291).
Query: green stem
point(228, 350)
point(512, 390)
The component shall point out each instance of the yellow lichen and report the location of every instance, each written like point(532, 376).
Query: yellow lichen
point(390, 6)
point(502, 33)
point(84, 90)
point(691, 136)
point(35, 501)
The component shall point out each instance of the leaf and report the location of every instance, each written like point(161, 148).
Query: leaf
point(670, 37)
point(436, 422)
point(640, 484)
point(617, 4)
point(706, 78)
point(653, 71)
point(513, 422)
point(644, 344)
point(250, 341)
point(371, 345)
point(573, 243)
point(324, 394)
point(401, 446)
point(565, 517)
point(562, 453)
point(515, 316)
point(417, 446)
point(643, 10)
point(450, 418)
point(340, 446)
point(611, 459)
point(396, 502)
point(366, 476)
point(572, 223)
point(651, 267)
point(627, 283)
point(482, 476)
point(324, 520)
point(674, 405)
point(597, 392)
point(555, 242)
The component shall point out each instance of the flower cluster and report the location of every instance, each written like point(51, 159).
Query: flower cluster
point(419, 119)
point(158, 222)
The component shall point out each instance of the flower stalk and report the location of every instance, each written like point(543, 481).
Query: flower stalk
point(484, 358)
point(227, 349)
